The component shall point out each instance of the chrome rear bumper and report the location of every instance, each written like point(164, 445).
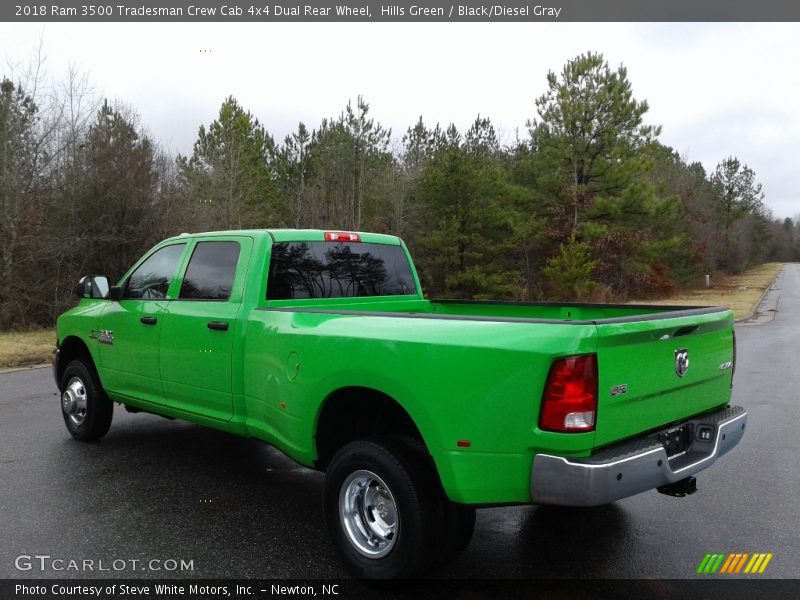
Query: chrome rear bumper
point(633, 466)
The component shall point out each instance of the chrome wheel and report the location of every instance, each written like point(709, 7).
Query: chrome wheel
point(368, 513)
point(73, 401)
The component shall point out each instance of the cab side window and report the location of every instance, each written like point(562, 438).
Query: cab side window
point(211, 270)
point(150, 281)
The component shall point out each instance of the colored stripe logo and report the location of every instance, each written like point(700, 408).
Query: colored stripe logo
point(734, 563)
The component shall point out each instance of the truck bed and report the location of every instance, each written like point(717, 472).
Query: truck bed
point(546, 312)
point(637, 347)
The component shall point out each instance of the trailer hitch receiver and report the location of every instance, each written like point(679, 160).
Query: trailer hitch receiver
point(679, 489)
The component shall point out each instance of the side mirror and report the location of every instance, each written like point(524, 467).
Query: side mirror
point(115, 293)
point(93, 286)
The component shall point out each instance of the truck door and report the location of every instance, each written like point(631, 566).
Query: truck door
point(128, 330)
point(200, 326)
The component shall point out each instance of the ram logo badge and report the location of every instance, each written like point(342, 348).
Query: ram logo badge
point(618, 390)
point(681, 361)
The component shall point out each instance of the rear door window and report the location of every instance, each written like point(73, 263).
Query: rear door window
point(337, 270)
point(211, 270)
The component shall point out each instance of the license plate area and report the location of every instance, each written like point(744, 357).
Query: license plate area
point(676, 440)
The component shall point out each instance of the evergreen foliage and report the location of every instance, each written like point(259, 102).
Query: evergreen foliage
point(588, 206)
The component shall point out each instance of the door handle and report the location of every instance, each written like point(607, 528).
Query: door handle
point(218, 325)
point(148, 320)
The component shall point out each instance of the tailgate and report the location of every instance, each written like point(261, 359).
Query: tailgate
point(659, 370)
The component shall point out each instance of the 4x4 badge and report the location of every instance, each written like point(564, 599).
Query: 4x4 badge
point(681, 361)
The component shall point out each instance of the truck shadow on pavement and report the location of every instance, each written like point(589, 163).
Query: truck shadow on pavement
point(544, 542)
point(240, 508)
point(558, 541)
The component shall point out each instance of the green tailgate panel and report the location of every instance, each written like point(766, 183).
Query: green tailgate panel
point(640, 387)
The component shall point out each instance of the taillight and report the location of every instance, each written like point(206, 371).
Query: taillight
point(569, 402)
point(341, 236)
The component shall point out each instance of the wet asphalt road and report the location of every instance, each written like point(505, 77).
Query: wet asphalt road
point(159, 489)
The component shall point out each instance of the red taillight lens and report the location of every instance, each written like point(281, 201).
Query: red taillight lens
point(570, 395)
point(341, 236)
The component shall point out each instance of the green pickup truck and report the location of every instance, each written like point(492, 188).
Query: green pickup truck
point(323, 345)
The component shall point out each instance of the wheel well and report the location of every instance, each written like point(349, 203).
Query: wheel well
point(356, 413)
point(74, 348)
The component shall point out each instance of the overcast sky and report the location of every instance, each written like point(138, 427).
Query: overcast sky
point(717, 89)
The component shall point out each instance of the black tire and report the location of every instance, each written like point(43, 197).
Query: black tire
point(459, 525)
point(458, 522)
point(86, 409)
point(412, 495)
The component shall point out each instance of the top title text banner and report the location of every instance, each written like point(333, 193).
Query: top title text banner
point(431, 11)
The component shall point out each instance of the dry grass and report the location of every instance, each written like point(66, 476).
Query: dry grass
point(23, 348)
point(738, 292)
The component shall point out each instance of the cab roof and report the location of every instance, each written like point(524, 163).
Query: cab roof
point(295, 235)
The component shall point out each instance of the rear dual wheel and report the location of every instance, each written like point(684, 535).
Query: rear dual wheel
point(387, 514)
point(459, 524)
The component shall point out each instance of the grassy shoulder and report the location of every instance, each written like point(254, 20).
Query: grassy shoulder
point(25, 348)
point(740, 292)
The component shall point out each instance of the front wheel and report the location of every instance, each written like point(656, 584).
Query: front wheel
point(86, 409)
point(383, 509)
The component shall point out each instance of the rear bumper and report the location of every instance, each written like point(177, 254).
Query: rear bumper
point(633, 466)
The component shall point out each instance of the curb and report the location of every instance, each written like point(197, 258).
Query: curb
point(754, 309)
point(27, 368)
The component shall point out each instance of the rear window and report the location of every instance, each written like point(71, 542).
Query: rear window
point(211, 270)
point(337, 270)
